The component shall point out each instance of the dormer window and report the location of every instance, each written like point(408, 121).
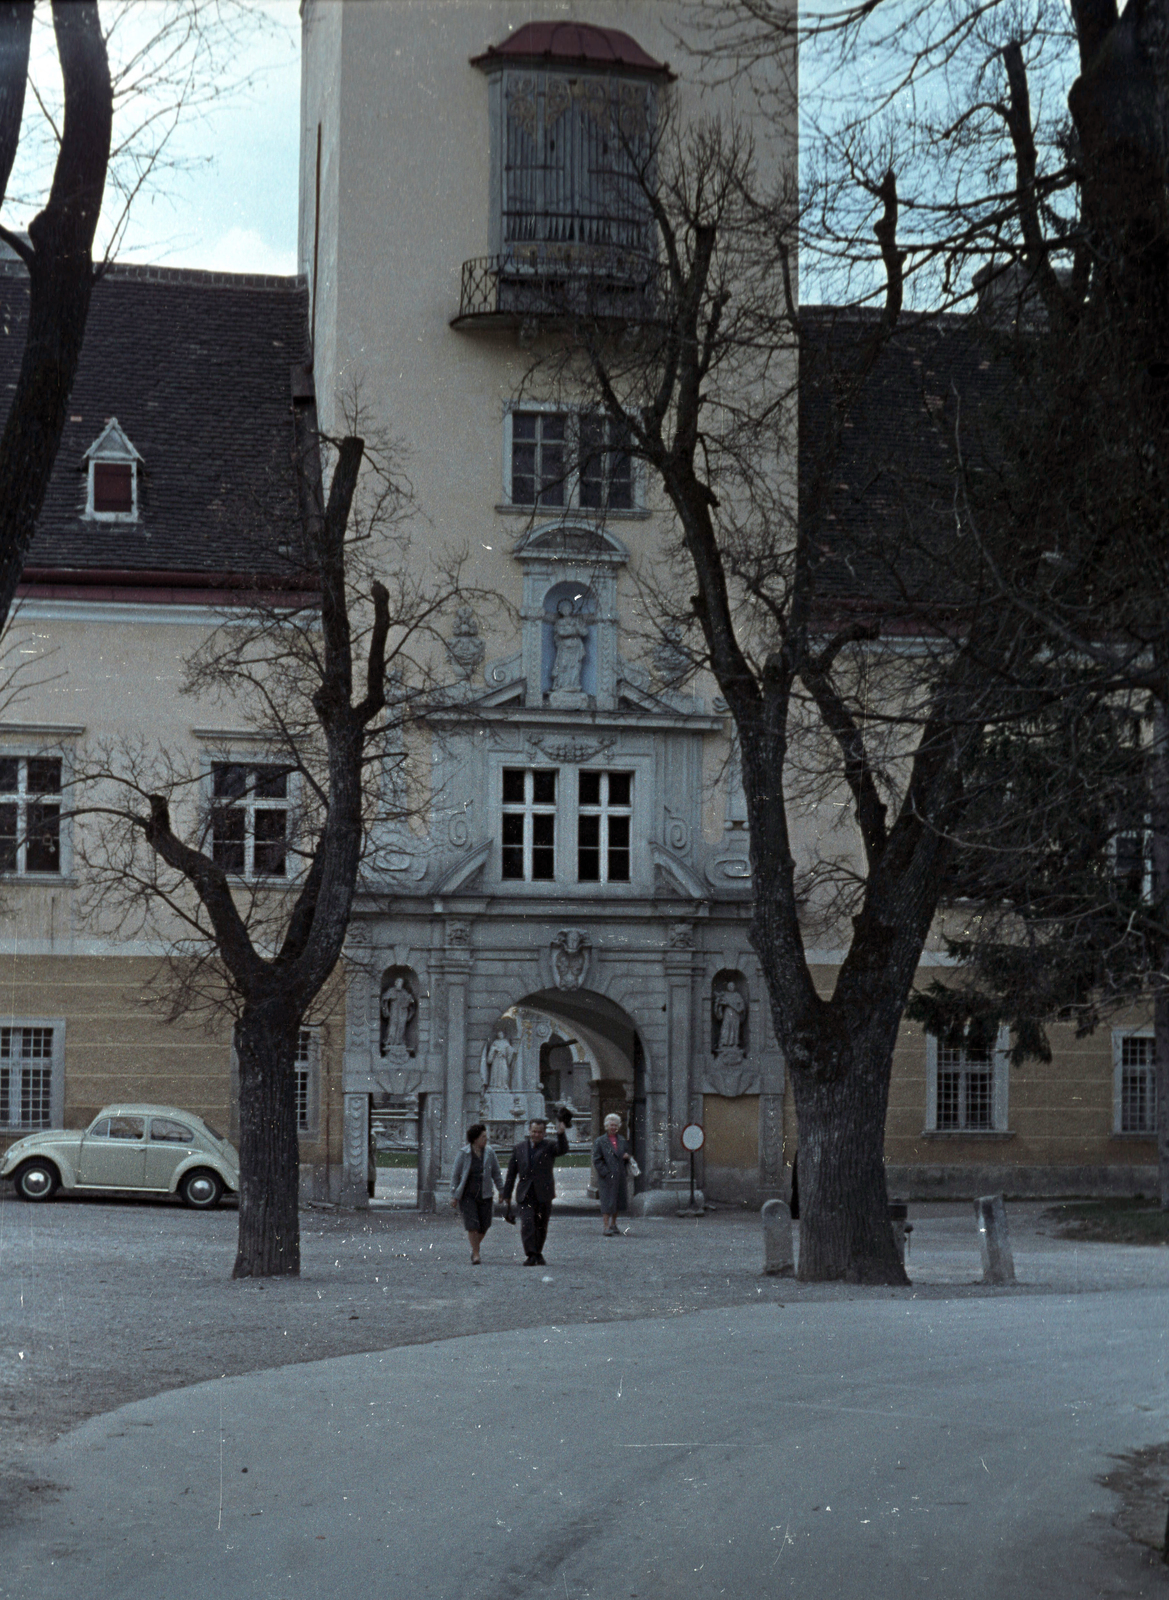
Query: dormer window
point(112, 476)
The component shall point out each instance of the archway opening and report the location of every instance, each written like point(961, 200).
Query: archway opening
point(573, 1049)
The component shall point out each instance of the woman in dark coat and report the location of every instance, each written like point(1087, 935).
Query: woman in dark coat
point(476, 1174)
point(611, 1163)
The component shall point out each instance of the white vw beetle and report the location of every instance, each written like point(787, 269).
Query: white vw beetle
point(148, 1149)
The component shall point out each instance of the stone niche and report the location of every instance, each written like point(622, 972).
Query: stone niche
point(398, 998)
point(730, 1070)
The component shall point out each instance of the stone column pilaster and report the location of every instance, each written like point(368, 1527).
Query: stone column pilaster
point(355, 1167)
point(453, 966)
point(680, 966)
point(771, 1178)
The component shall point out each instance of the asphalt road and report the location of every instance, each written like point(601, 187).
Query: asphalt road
point(877, 1448)
point(647, 1417)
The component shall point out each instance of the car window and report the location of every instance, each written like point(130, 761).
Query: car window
point(127, 1128)
point(165, 1130)
point(214, 1132)
point(100, 1130)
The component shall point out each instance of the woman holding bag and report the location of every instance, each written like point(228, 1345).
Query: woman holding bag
point(611, 1162)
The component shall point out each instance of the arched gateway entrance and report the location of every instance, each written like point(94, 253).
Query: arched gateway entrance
point(554, 1049)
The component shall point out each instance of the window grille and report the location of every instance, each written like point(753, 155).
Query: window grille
point(303, 1080)
point(26, 1077)
point(1138, 1085)
point(965, 1089)
point(575, 153)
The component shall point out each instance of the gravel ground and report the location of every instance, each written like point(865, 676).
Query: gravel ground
point(109, 1301)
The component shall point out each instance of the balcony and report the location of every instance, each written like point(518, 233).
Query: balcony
point(558, 283)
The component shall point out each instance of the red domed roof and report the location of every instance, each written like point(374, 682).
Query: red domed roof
point(572, 44)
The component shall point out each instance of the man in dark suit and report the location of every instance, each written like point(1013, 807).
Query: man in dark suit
point(529, 1173)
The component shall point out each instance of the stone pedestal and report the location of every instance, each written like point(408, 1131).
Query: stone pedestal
point(998, 1262)
point(511, 1105)
point(568, 700)
point(779, 1258)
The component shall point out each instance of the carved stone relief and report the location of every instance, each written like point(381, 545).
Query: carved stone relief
point(465, 648)
point(570, 958)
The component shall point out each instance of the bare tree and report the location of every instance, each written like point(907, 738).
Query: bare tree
point(332, 681)
point(107, 136)
point(58, 254)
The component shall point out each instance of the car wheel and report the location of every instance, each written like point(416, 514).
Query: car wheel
point(200, 1189)
point(37, 1180)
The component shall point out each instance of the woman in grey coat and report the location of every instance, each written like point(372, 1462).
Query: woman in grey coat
point(476, 1174)
point(611, 1163)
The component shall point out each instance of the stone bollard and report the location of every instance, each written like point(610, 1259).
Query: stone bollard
point(778, 1255)
point(998, 1264)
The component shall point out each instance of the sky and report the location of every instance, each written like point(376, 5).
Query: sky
point(225, 196)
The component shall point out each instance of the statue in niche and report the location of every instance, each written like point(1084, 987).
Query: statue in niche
point(570, 632)
point(398, 1006)
point(730, 1007)
point(501, 1053)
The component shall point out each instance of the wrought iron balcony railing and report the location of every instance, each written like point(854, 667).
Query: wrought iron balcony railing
point(558, 283)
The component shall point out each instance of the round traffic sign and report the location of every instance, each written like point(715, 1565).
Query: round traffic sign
point(693, 1137)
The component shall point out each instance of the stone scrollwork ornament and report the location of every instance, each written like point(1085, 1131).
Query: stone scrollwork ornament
point(465, 648)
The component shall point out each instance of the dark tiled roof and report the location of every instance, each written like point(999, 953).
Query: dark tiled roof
point(572, 44)
point(890, 518)
point(196, 367)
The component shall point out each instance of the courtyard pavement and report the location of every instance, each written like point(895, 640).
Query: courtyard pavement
point(645, 1417)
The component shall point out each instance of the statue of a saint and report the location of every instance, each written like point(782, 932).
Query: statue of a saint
point(730, 1008)
point(397, 1009)
point(570, 632)
point(500, 1055)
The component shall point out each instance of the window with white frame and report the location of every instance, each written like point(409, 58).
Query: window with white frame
point(569, 459)
point(249, 818)
point(604, 818)
point(305, 1067)
point(1135, 1083)
point(112, 465)
point(30, 814)
point(528, 830)
point(966, 1088)
point(30, 1075)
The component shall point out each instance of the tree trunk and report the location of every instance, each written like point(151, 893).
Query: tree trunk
point(1160, 842)
point(269, 1219)
point(845, 1233)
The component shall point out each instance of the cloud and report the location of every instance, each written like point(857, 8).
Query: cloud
point(240, 250)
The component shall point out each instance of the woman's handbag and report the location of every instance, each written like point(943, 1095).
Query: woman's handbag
point(634, 1169)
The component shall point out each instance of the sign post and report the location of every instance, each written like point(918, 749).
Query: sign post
point(693, 1139)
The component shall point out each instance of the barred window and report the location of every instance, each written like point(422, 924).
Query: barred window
point(30, 814)
point(576, 149)
point(26, 1077)
point(1138, 1084)
point(966, 1089)
point(304, 1102)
